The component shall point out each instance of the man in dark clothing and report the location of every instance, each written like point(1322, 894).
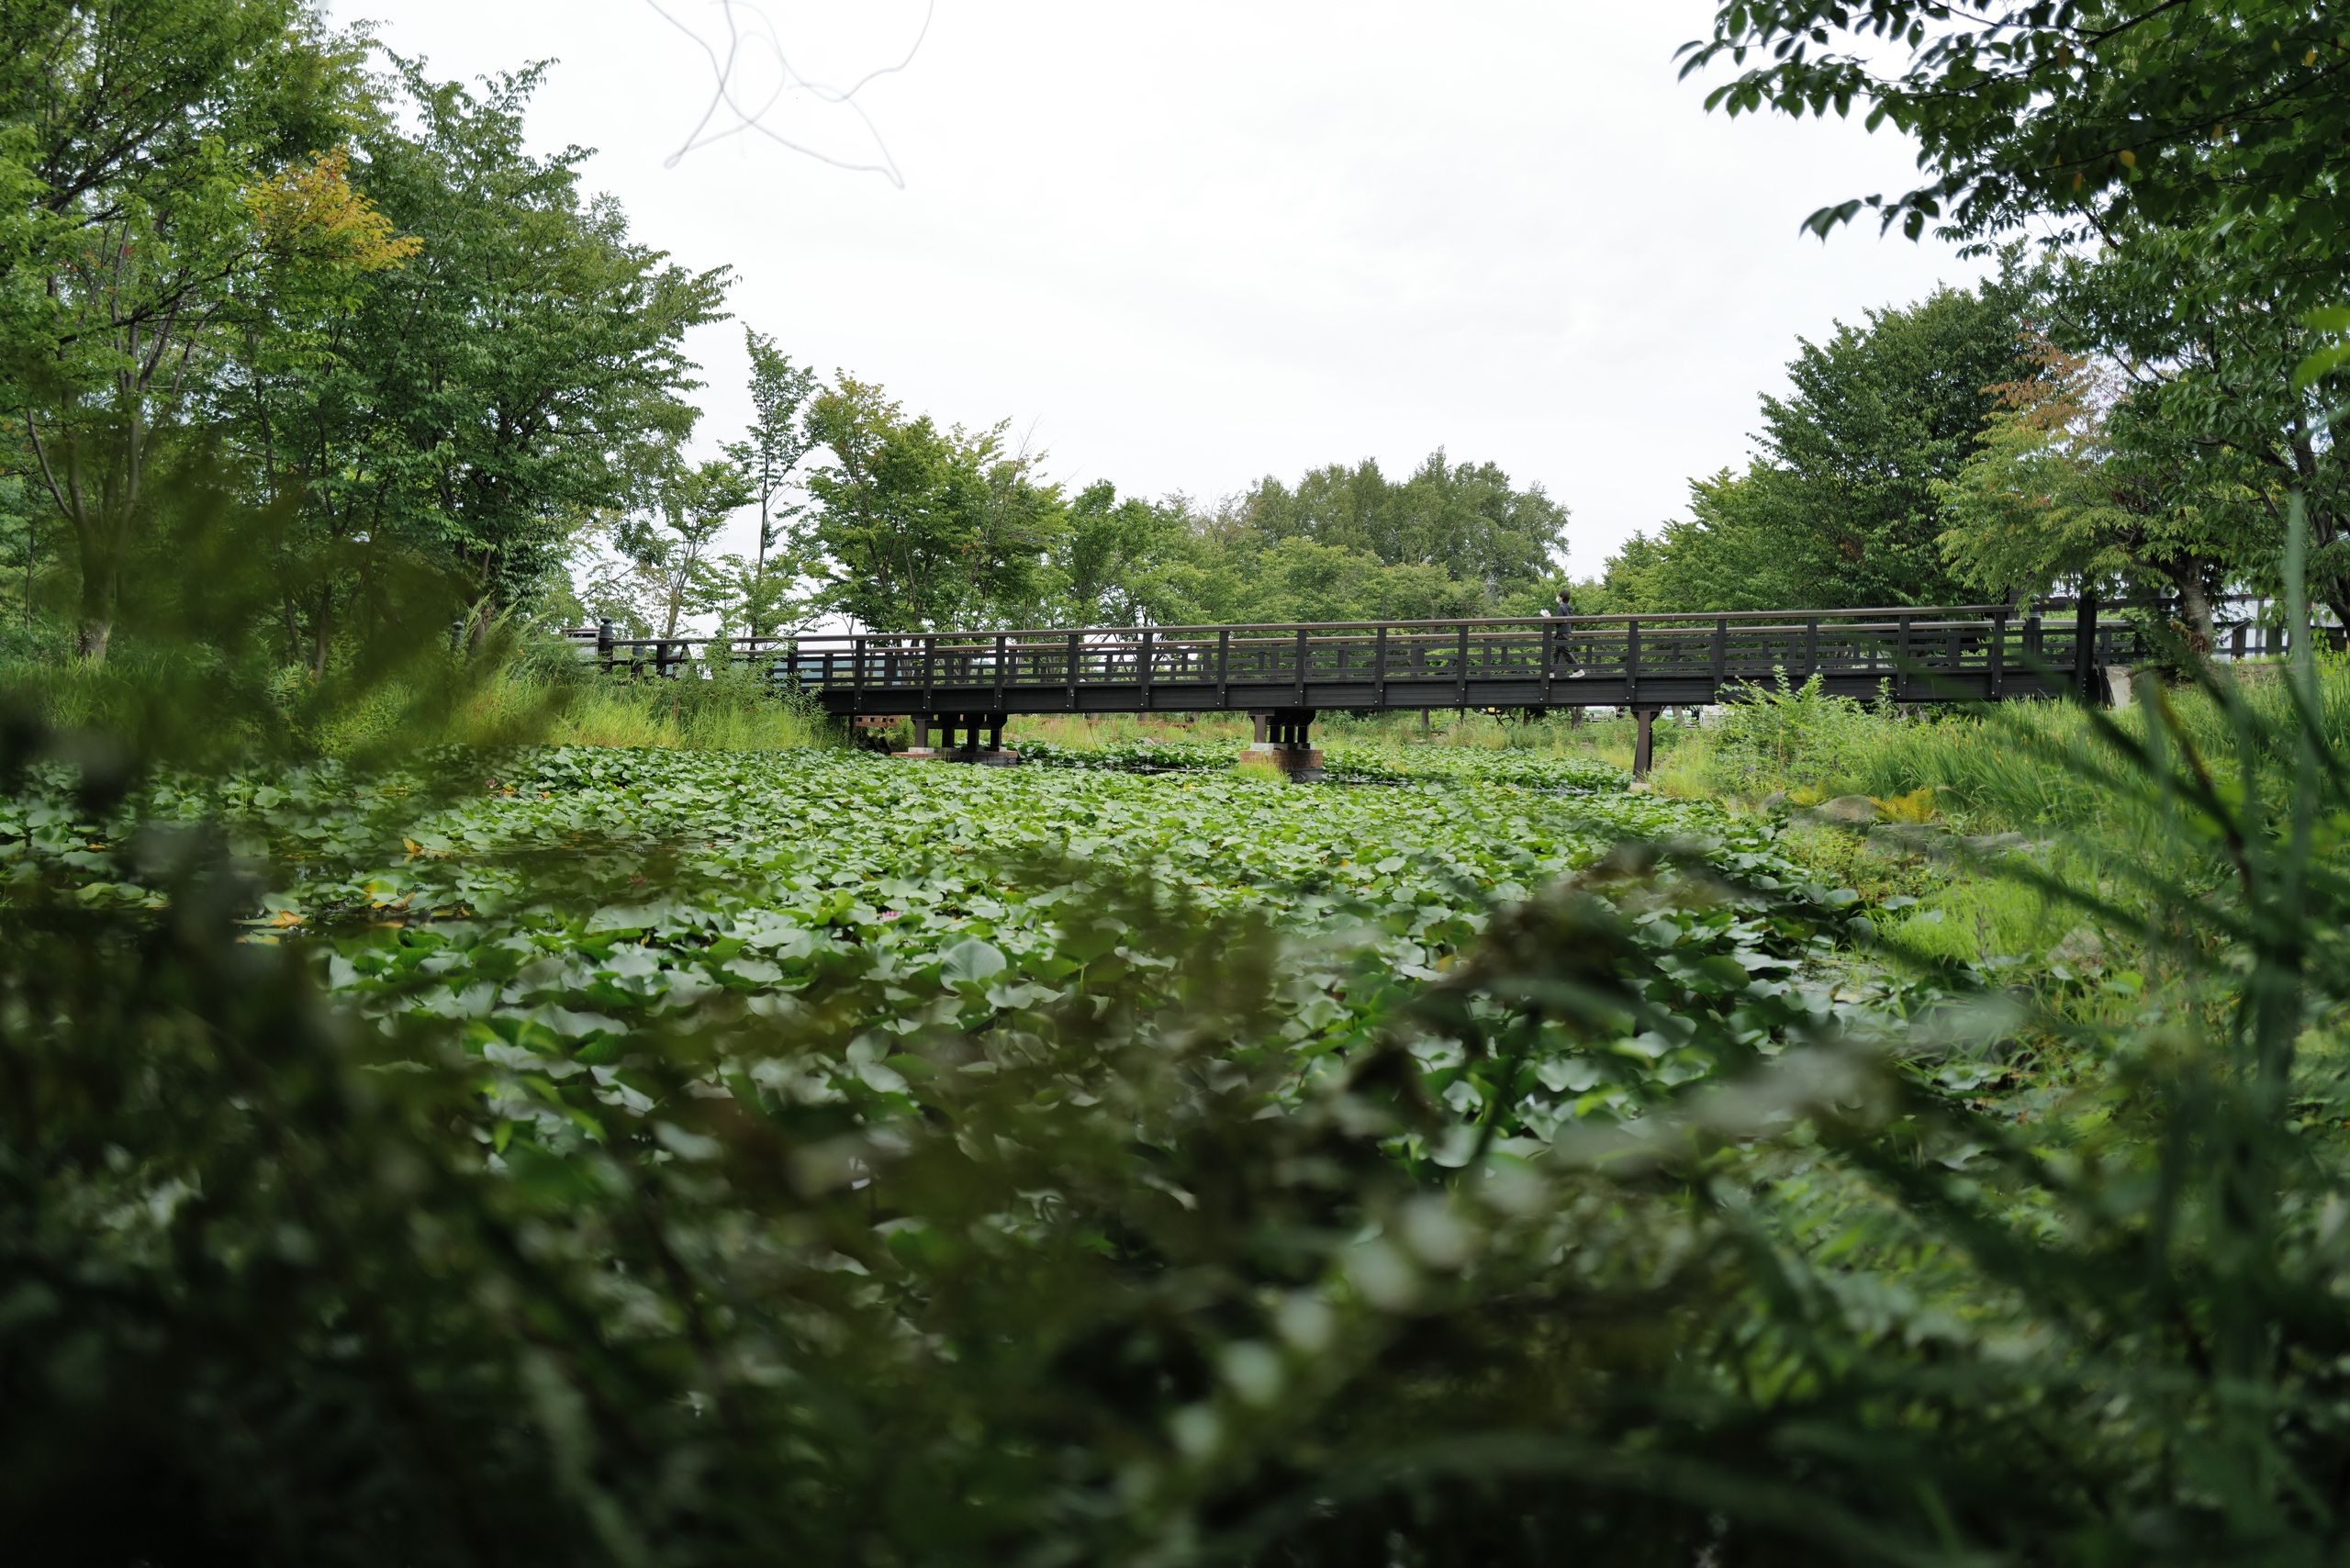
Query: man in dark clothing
point(1563, 612)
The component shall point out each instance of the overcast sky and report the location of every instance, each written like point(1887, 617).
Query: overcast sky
point(1185, 246)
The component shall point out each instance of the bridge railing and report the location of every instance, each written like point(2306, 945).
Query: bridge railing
point(1897, 644)
point(1912, 653)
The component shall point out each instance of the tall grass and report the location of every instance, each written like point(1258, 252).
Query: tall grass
point(2018, 765)
point(688, 714)
point(1607, 738)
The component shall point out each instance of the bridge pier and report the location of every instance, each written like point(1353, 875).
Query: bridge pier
point(1283, 742)
point(1643, 740)
point(959, 735)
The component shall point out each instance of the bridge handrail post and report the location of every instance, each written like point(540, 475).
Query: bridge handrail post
point(1076, 641)
point(604, 640)
point(2085, 645)
point(1300, 666)
point(1631, 661)
point(1721, 653)
point(1224, 667)
point(1999, 654)
point(1142, 670)
point(1001, 641)
point(929, 658)
point(1901, 657)
point(1460, 671)
point(1810, 647)
point(1550, 655)
point(1379, 665)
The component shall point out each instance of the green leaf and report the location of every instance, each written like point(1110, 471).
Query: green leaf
point(971, 962)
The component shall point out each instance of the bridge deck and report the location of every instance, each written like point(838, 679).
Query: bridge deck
point(1925, 655)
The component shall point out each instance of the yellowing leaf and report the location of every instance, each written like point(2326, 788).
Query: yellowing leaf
point(313, 211)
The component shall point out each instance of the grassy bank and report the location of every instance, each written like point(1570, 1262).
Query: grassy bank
point(2019, 765)
point(726, 712)
point(1605, 739)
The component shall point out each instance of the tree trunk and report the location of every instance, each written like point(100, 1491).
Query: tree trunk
point(2195, 603)
point(322, 625)
point(101, 586)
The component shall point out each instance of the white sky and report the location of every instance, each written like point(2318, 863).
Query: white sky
point(1188, 245)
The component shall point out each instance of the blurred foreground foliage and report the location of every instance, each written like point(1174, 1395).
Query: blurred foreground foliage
point(1087, 1277)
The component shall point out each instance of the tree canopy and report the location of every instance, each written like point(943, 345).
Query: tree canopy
point(1845, 502)
point(2182, 159)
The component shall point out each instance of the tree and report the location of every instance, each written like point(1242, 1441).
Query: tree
point(1469, 520)
point(2068, 485)
point(916, 527)
point(1102, 556)
point(2217, 389)
point(1878, 418)
point(138, 138)
point(289, 399)
point(1747, 544)
point(518, 371)
point(1844, 506)
point(2221, 116)
point(2197, 145)
point(656, 563)
point(675, 544)
point(778, 438)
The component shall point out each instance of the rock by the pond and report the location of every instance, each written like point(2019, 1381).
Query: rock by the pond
point(2082, 949)
point(1909, 838)
point(1844, 811)
point(1998, 843)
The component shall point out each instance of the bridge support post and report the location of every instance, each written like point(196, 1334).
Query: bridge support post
point(1283, 744)
point(1643, 741)
point(2088, 676)
point(968, 727)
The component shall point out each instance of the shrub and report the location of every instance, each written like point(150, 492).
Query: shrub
point(1785, 737)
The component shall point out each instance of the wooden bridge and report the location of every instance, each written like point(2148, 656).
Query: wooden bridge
point(964, 683)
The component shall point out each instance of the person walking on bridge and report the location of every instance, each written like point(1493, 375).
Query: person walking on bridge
point(1563, 611)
